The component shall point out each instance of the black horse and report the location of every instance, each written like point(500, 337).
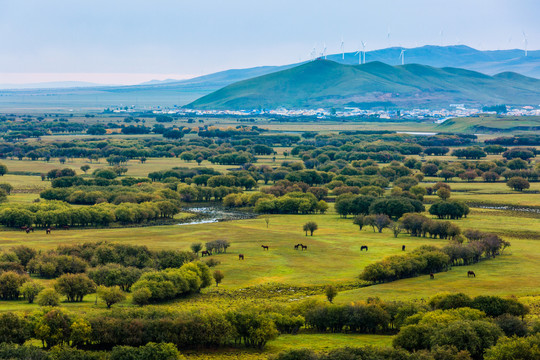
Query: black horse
point(471, 273)
point(363, 247)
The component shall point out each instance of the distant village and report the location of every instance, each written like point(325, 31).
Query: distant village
point(438, 116)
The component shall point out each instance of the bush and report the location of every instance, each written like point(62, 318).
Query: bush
point(30, 290)
point(111, 295)
point(142, 296)
point(48, 297)
point(74, 286)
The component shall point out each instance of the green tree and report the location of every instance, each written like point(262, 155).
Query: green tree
point(85, 168)
point(196, 248)
point(74, 286)
point(30, 290)
point(331, 292)
point(3, 170)
point(518, 183)
point(218, 276)
point(111, 295)
point(310, 226)
point(48, 297)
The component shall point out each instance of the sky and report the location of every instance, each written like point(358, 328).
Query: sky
point(128, 42)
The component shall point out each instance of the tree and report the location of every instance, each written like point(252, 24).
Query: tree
point(48, 297)
point(30, 290)
point(379, 221)
point(111, 295)
point(3, 170)
point(359, 220)
point(141, 296)
point(444, 193)
point(74, 286)
point(196, 247)
point(218, 276)
point(330, 292)
point(397, 228)
point(85, 168)
point(518, 183)
point(310, 226)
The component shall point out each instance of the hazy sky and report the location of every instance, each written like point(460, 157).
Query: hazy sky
point(117, 41)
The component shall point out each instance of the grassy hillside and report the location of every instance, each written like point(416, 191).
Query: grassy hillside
point(490, 123)
point(324, 83)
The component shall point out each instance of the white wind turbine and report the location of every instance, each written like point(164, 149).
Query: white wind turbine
point(526, 41)
point(359, 53)
point(324, 51)
point(342, 47)
point(402, 56)
point(364, 51)
point(313, 54)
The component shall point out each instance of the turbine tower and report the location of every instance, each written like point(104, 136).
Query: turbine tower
point(364, 51)
point(313, 54)
point(324, 51)
point(342, 46)
point(359, 53)
point(402, 56)
point(526, 41)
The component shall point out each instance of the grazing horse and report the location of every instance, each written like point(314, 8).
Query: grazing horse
point(296, 246)
point(304, 247)
point(240, 256)
point(471, 273)
point(65, 227)
point(363, 247)
point(48, 231)
point(205, 252)
point(431, 276)
point(402, 247)
point(265, 247)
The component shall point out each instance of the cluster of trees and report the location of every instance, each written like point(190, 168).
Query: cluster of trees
point(113, 264)
point(157, 286)
point(58, 214)
point(393, 207)
point(452, 209)
point(419, 225)
point(424, 260)
point(291, 203)
point(430, 259)
point(185, 330)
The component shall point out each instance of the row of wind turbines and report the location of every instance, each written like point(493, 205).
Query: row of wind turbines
point(362, 52)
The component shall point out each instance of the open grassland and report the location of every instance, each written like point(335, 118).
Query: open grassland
point(489, 123)
point(333, 254)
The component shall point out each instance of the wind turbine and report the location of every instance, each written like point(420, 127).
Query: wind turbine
point(402, 56)
point(324, 51)
point(313, 54)
point(359, 53)
point(525, 41)
point(342, 46)
point(364, 51)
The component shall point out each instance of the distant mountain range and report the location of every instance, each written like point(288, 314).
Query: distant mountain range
point(169, 93)
point(49, 85)
point(326, 84)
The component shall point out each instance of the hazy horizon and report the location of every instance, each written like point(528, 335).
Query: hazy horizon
point(129, 42)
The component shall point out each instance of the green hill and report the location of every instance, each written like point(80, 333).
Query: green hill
point(327, 84)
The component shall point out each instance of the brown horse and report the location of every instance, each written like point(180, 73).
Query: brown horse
point(304, 247)
point(471, 273)
point(48, 231)
point(240, 256)
point(265, 247)
point(65, 227)
point(205, 252)
point(431, 276)
point(296, 246)
point(363, 247)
